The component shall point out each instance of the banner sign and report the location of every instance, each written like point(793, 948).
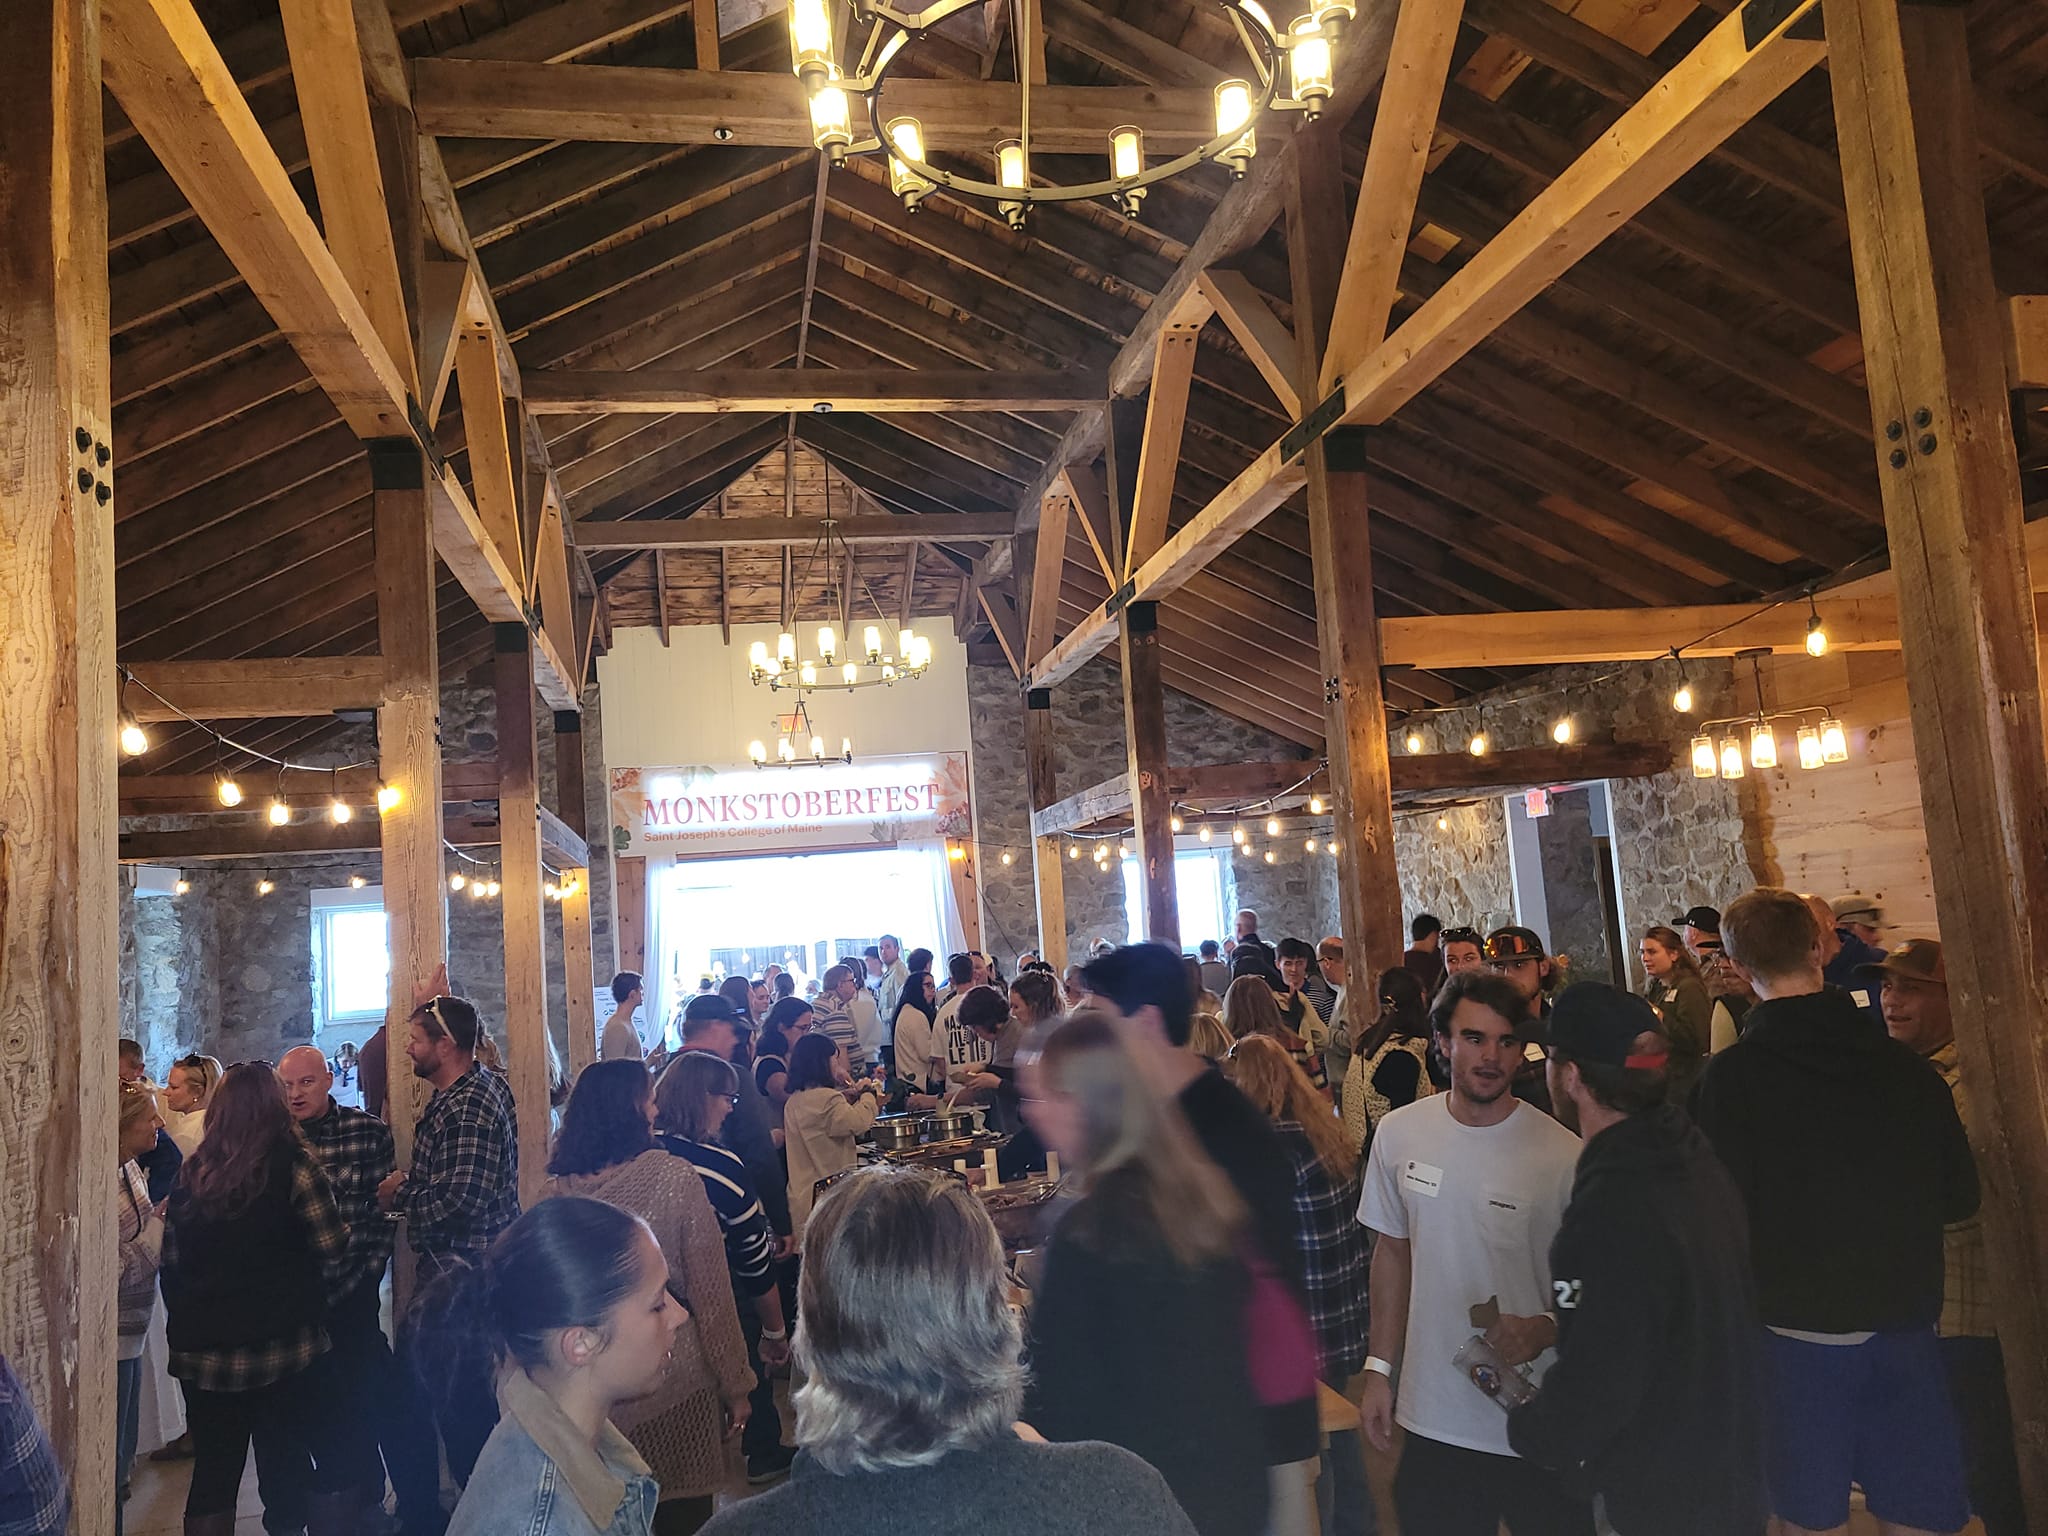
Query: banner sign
point(870, 803)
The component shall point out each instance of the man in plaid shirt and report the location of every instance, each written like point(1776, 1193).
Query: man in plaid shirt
point(34, 1498)
point(356, 1151)
point(463, 1187)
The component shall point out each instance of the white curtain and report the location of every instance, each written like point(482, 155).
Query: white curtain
point(659, 981)
point(945, 900)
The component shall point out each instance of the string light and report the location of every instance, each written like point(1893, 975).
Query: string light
point(356, 882)
point(1272, 826)
point(265, 886)
point(1315, 805)
point(457, 881)
point(183, 887)
point(1202, 832)
point(1443, 823)
point(134, 739)
point(1816, 633)
point(1073, 850)
point(388, 798)
point(1414, 743)
point(1006, 858)
point(1269, 856)
point(1561, 733)
point(228, 792)
point(1478, 744)
point(1310, 845)
point(1237, 836)
point(280, 811)
point(1174, 822)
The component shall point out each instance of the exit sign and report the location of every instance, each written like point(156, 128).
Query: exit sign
point(1536, 803)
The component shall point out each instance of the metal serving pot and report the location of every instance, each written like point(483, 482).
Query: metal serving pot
point(898, 1133)
point(946, 1124)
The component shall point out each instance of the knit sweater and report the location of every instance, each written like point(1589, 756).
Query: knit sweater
point(141, 1232)
point(680, 1427)
point(818, 1132)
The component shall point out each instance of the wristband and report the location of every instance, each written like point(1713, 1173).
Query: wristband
point(773, 1338)
point(1382, 1367)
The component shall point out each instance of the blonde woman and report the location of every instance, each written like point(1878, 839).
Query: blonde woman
point(1249, 1008)
point(139, 1228)
point(188, 1089)
point(1138, 1331)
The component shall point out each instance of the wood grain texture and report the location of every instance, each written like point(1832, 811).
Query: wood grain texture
point(255, 689)
point(58, 903)
point(526, 981)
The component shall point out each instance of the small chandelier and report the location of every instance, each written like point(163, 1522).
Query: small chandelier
point(1307, 49)
point(798, 744)
point(837, 668)
point(1819, 743)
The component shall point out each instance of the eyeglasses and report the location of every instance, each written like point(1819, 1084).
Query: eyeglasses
point(733, 1099)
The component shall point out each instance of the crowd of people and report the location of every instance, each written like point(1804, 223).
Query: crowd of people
point(1657, 1265)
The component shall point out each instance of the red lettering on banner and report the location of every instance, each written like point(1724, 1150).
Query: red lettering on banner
point(834, 799)
point(814, 804)
point(792, 805)
point(895, 801)
point(706, 810)
point(728, 808)
point(658, 813)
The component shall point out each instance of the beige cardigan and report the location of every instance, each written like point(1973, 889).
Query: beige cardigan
point(818, 1131)
point(680, 1427)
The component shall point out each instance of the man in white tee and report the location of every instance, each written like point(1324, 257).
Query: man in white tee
point(1466, 1190)
point(889, 986)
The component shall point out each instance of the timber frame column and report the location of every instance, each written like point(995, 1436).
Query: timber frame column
point(1933, 343)
point(408, 756)
point(526, 981)
point(1340, 543)
point(1145, 754)
point(1041, 777)
point(58, 925)
point(578, 984)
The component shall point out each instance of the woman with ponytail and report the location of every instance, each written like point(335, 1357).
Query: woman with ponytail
point(571, 1306)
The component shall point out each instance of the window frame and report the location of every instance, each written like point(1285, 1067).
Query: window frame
point(326, 905)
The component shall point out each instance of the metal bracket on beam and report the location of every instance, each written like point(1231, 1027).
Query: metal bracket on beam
point(1316, 422)
point(396, 464)
point(1120, 597)
point(1037, 698)
point(429, 444)
point(1760, 18)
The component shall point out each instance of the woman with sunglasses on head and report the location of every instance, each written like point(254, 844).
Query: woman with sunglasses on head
point(1390, 1067)
point(692, 1098)
point(571, 1310)
point(789, 1020)
point(606, 1151)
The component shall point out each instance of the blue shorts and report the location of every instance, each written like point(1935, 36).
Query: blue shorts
point(1876, 1414)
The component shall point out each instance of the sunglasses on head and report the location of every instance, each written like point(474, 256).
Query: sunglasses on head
point(1463, 936)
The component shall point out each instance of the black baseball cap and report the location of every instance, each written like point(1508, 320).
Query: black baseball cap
point(1598, 1024)
point(1706, 919)
point(1505, 945)
point(709, 1005)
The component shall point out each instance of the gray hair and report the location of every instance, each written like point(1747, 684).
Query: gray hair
point(905, 1336)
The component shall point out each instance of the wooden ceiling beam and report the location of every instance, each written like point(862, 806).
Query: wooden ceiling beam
point(729, 532)
point(719, 391)
point(1267, 341)
point(623, 104)
point(253, 690)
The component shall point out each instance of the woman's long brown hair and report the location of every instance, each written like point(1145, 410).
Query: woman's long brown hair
point(248, 1129)
point(1267, 1075)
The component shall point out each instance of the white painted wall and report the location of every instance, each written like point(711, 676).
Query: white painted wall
point(692, 703)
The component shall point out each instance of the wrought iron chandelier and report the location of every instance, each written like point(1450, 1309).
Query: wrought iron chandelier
point(1305, 53)
point(834, 669)
point(798, 744)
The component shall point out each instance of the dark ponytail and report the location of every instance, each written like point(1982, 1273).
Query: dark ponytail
point(566, 1263)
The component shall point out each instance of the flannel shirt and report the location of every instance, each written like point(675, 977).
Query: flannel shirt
point(1966, 1287)
point(35, 1500)
point(749, 1241)
point(356, 1151)
point(1334, 1255)
point(245, 1367)
point(463, 1188)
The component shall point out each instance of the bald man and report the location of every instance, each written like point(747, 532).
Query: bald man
point(356, 1151)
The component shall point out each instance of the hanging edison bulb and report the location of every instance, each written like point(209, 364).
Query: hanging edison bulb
point(1809, 747)
point(389, 798)
point(1731, 758)
point(1202, 832)
point(134, 739)
point(1561, 733)
point(1705, 763)
point(280, 813)
point(228, 792)
point(1478, 745)
point(1414, 743)
point(1834, 741)
point(1763, 746)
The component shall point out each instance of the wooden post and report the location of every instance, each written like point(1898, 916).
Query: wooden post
point(629, 913)
point(1145, 754)
point(58, 936)
point(1340, 543)
point(409, 758)
point(526, 978)
point(1950, 477)
point(579, 984)
point(1041, 777)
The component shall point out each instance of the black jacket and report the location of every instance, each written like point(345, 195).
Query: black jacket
point(1849, 1154)
point(1652, 1400)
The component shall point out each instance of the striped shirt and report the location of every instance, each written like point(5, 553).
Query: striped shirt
point(749, 1241)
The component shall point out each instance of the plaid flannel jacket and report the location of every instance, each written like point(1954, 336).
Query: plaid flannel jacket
point(463, 1188)
point(245, 1367)
point(356, 1151)
point(1966, 1288)
point(35, 1499)
point(1334, 1255)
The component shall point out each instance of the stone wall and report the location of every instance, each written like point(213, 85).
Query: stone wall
point(1571, 884)
point(1297, 894)
point(1457, 871)
point(227, 971)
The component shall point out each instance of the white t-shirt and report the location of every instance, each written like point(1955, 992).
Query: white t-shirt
point(913, 1046)
point(964, 1051)
point(1478, 1206)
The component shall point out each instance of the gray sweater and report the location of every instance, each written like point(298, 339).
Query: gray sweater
point(1008, 1488)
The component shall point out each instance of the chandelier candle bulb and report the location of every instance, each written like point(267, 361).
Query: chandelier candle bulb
point(1126, 164)
point(1312, 65)
point(785, 651)
point(1809, 747)
point(849, 672)
point(907, 134)
point(807, 674)
point(810, 42)
point(1705, 764)
point(818, 748)
point(831, 122)
point(1731, 758)
point(828, 643)
point(871, 643)
point(757, 659)
point(1012, 171)
point(1763, 746)
point(1331, 15)
point(846, 746)
point(757, 751)
point(1834, 741)
point(1234, 111)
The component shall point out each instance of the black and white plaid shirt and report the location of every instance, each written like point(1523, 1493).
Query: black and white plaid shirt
point(1335, 1259)
point(356, 1151)
point(463, 1187)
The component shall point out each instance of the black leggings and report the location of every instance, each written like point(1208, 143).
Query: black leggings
point(303, 1410)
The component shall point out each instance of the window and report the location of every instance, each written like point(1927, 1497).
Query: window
point(351, 957)
point(1198, 888)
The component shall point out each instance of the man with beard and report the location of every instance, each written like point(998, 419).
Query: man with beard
point(1465, 1190)
point(1518, 955)
point(1650, 1405)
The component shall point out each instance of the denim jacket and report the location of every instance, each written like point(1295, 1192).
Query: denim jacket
point(538, 1476)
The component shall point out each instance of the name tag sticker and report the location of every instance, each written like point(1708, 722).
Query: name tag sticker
point(1423, 1178)
point(1862, 998)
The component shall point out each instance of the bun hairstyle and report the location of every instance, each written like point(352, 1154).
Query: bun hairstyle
point(566, 1263)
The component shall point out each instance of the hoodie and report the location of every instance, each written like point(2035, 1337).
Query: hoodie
point(1651, 1402)
point(1849, 1154)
